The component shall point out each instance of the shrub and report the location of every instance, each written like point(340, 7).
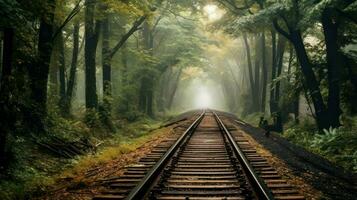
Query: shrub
point(337, 145)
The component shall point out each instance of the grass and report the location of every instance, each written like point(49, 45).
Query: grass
point(108, 153)
point(34, 171)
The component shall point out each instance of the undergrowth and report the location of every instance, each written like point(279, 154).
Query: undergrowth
point(34, 169)
point(336, 145)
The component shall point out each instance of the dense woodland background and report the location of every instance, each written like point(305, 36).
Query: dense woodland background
point(79, 75)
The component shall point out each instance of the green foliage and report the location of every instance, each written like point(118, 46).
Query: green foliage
point(27, 183)
point(92, 118)
point(337, 145)
point(35, 169)
point(253, 118)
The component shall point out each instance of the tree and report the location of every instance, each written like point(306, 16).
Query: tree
point(7, 117)
point(108, 54)
point(288, 19)
point(277, 65)
point(39, 70)
point(250, 72)
point(91, 40)
point(326, 115)
point(72, 71)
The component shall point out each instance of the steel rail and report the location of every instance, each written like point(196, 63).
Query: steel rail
point(259, 187)
point(143, 187)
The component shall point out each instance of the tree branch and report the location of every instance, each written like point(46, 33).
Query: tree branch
point(156, 24)
point(71, 15)
point(179, 15)
point(126, 36)
point(280, 30)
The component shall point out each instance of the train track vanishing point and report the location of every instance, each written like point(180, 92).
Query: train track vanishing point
point(206, 162)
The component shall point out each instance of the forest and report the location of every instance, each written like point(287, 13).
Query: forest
point(80, 77)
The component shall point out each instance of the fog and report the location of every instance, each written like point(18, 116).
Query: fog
point(199, 93)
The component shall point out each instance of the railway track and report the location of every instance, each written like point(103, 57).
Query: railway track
point(206, 162)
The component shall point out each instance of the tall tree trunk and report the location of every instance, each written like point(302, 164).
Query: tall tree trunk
point(264, 73)
point(250, 70)
point(257, 66)
point(53, 73)
point(290, 63)
point(296, 106)
point(108, 54)
point(142, 95)
point(7, 117)
point(174, 89)
point(124, 72)
point(150, 97)
point(279, 59)
point(273, 104)
point(91, 41)
point(162, 87)
point(106, 62)
point(310, 81)
point(62, 72)
point(40, 70)
point(149, 45)
point(296, 103)
point(124, 59)
point(73, 69)
point(334, 63)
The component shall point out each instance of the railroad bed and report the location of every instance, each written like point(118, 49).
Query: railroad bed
point(206, 162)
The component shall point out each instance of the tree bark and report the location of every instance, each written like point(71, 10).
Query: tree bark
point(310, 81)
point(7, 117)
point(62, 72)
point(149, 88)
point(91, 41)
point(124, 72)
point(264, 73)
point(250, 69)
point(73, 69)
point(290, 63)
point(108, 54)
point(273, 104)
point(125, 37)
point(257, 84)
point(142, 95)
point(40, 70)
point(124, 59)
point(150, 97)
point(174, 89)
point(334, 63)
point(164, 96)
point(53, 88)
point(279, 59)
point(106, 63)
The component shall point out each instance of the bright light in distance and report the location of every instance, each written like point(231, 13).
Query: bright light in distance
point(210, 9)
point(213, 12)
point(203, 98)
